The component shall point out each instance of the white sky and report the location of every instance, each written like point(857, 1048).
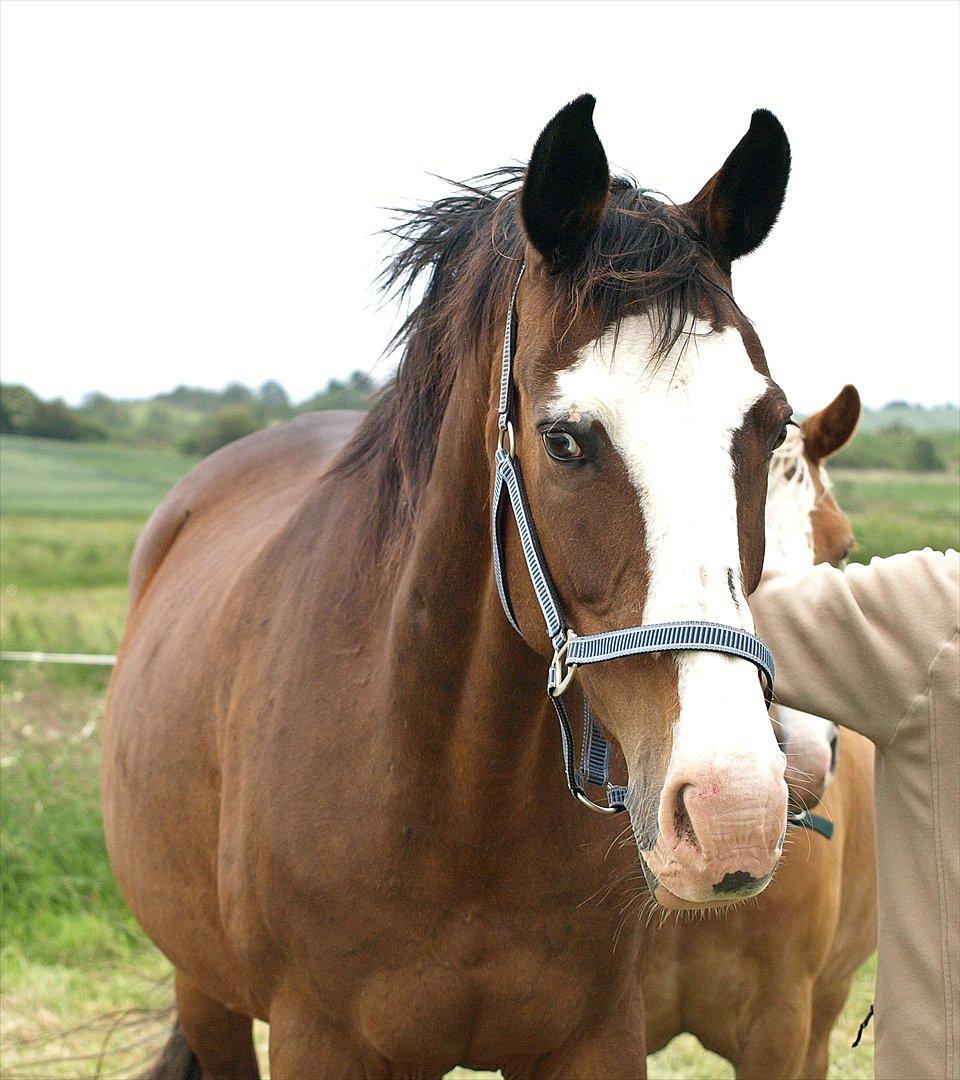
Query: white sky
point(190, 191)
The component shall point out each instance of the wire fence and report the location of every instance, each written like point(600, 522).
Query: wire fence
point(94, 659)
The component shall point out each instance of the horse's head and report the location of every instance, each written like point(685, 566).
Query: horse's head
point(804, 523)
point(647, 417)
point(806, 526)
point(824, 434)
point(811, 744)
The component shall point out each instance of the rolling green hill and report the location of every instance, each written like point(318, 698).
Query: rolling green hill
point(89, 480)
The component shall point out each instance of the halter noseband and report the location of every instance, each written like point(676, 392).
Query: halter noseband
point(569, 650)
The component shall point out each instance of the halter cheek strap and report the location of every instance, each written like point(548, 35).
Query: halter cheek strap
point(571, 651)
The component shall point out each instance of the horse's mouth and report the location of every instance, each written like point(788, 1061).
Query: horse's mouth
point(730, 890)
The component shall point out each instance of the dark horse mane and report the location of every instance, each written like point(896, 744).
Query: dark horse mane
point(470, 244)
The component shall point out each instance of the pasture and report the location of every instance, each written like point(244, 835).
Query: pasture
point(83, 992)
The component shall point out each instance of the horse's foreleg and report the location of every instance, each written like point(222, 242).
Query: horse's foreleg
point(303, 1044)
point(614, 1046)
point(221, 1040)
point(828, 1003)
point(774, 1045)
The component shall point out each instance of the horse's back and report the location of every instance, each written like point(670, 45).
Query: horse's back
point(262, 475)
point(236, 534)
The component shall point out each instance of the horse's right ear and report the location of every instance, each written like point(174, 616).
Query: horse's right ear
point(566, 186)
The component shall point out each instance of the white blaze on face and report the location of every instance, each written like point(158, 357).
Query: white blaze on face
point(791, 496)
point(673, 421)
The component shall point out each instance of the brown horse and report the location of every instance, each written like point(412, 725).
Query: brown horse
point(763, 985)
point(332, 787)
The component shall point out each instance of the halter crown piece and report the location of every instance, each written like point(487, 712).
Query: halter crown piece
point(571, 651)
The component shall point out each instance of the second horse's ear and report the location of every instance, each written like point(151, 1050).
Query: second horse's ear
point(736, 208)
point(566, 186)
point(832, 427)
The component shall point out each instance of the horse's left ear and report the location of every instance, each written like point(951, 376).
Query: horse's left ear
point(566, 185)
point(832, 427)
point(738, 206)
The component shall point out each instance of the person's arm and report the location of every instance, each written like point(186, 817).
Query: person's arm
point(856, 645)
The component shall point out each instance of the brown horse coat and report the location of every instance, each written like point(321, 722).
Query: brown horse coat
point(332, 788)
point(452, 882)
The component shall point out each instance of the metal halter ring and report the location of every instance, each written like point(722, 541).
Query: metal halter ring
point(507, 436)
point(558, 680)
point(596, 807)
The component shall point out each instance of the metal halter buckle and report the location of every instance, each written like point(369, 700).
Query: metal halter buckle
point(558, 680)
point(506, 440)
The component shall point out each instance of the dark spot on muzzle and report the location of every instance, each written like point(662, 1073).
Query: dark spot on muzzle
point(738, 882)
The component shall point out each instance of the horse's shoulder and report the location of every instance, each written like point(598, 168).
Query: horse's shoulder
point(277, 457)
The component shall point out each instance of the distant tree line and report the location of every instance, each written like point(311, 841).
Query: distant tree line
point(197, 421)
point(899, 447)
point(194, 420)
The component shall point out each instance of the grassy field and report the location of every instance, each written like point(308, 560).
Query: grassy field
point(92, 481)
point(83, 993)
point(894, 512)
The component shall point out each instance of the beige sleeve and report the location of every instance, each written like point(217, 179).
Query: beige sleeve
point(856, 645)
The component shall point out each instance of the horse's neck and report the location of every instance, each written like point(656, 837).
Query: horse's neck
point(470, 693)
point(475, 762)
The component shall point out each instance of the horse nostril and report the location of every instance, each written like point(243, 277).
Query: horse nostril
point(682, 825)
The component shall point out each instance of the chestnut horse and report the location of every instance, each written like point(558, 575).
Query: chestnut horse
point(763, 985)
point(332, 787)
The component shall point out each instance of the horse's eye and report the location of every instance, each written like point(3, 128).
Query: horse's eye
point(562, 446)
point(778, 441)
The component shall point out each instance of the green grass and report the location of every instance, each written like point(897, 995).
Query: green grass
point(84, 480)
point(893, 512)
point(58, 554)
point(70, 515)
point(69, 952)
point(63, 584)
point(60, 900)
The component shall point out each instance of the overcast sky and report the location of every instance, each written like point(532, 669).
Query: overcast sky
point(191, 191)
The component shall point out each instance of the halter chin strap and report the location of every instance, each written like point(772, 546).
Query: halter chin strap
point(814, 822)
point(571, 651)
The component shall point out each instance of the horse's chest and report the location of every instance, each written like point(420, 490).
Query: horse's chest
point(433, 986)
point(469, 1003)
point(434, 955)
